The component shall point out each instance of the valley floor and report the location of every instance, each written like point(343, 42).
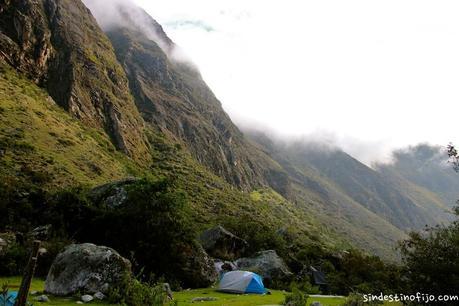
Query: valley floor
point(185, 297)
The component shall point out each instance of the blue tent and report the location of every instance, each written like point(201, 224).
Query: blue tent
point(10, 299)
point(241, 282)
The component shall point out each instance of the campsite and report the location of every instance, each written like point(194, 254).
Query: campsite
point(230, 152)
point(185, 298)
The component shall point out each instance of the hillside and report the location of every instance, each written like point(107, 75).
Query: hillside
point(398, 193)
point(85, 105)
point(59, 45)
point(426, 166)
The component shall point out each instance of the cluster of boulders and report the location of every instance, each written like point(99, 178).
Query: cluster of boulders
point(227, 249)
point(94, 270)
point(86, 298)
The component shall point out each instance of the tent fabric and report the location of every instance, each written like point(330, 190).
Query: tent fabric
point(241, 282)
point(10, 299)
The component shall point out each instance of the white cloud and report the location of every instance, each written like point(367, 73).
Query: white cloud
point(373, 73)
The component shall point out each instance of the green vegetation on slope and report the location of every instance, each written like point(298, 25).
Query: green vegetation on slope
point(43, 145)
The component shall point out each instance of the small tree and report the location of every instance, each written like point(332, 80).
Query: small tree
point(453, 156)
point(431, 257)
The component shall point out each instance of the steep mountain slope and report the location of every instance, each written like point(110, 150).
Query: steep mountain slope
point(42, 145)
point(336, 175)
point(60, 46)
point(128, 89)
point(365, 186)
point(426, 166)
point(174, 99)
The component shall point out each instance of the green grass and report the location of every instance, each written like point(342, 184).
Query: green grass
point(185, 297)
point(41, 143)
point(39, 285)
point(276, 298)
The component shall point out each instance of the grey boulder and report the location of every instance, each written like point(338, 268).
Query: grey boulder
point(197, 271)
point(268, 264)
point(99, 295)
point(42, 298)
point(86, 298)
point(86, 268)
point(220, 243)
point(113, 194)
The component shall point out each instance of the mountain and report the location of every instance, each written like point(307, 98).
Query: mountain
point(427, 167)
point(377, 193)
point(85, 102)
point(59, 45)
point(405, 194)
point(173, 98)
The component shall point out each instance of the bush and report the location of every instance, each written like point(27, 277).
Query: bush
point(132, 292)
point(13, 260)
point(306, 286)
point(356, 271)
point(355, 299)
point(431, 260)
point(296, 298)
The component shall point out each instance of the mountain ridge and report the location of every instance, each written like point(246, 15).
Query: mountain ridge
point(147, 114)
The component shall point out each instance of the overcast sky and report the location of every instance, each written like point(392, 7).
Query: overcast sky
point(370, 75)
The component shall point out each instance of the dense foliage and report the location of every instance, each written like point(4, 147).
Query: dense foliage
point(152, 229)
point(432, 259)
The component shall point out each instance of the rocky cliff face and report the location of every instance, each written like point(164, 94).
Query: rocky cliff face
point(60, 46)
point(173, 98)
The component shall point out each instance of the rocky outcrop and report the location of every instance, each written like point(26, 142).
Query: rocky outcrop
point(60, 46)
point(220, 243)
point(173, 98)
point(197, 271)
point(224, 266)
point(86, 268)
point(268, 264)
point(113, 194)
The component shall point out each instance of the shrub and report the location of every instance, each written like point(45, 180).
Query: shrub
point(13, 260)
point(296, 297)
point(355, 299)
point(132, 292)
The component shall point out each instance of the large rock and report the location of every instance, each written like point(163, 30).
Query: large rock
point(86, 268)
point(220, 243)
point(197, 270)
point(113, 194)
point(269, 265)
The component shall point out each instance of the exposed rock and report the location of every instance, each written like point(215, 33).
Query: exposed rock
point(268, 264)
point(99, 295)
point(316, 304)
point(113, 194)
point(220, 243)
point(87, 298)
point(167, 289)
point(40, 233)
point(42, 299)
point(59, 45)
point(198, 270)
point(224, 266)
point(86, 268)
point(172, 96)
point(204, 299)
